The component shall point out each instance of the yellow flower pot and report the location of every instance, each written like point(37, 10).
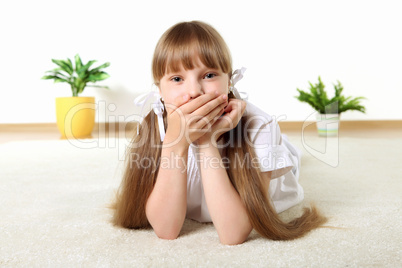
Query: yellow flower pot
point(75, 116)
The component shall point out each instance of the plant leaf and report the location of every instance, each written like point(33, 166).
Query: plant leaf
point(318, 99)
point(99, 76)
point(65, 76)
point(70, 64)
point(64, 65)
point(76, 73)
point(98, 86)
point(82, 71)
point(49, 77)
point(105, 65)
point(78, 62)
point(58, 80)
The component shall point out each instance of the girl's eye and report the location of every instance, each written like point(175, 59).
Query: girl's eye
point(176, 79)
point(210, 75)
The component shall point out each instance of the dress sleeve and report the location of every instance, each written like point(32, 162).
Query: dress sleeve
point(272, 153)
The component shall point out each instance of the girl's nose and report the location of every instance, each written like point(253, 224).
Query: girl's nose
point(195, 89)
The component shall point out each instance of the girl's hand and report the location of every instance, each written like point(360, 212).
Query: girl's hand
point(189, 120)
point(233, 113)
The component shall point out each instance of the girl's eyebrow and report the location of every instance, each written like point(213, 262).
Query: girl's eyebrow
point(202, 70)
point(213, 69)
point(169, 75)
point(174, 72)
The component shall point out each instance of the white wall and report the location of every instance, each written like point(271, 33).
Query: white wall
point(284, 44)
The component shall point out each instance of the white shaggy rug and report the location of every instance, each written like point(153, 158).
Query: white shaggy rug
point(54, 199)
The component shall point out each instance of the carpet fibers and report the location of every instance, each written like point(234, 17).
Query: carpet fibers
point(54, 197)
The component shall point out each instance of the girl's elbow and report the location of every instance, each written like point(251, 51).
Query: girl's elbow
point(232, 239)
point(167, 231)
point(167, 234)
point(165, 228)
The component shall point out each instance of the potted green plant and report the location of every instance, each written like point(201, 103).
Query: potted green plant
point(329, 110)
point(76, 115)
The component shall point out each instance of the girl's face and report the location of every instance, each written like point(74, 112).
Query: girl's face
point(195, 82)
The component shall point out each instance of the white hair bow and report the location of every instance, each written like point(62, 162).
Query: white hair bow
point(236, 77)
point(157, 107)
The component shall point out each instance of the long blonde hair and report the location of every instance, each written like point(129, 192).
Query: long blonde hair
point(177, 48)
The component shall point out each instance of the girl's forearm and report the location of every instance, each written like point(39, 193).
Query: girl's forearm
point(167, 204)
point(227, 211)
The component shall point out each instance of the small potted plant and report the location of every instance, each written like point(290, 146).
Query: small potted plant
point(329, 110)
point(76, 115)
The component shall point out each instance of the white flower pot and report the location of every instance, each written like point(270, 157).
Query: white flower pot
point(328, 125)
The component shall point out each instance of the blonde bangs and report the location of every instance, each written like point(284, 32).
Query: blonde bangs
point(184, 43)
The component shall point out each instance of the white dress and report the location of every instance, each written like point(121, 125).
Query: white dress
point(274, 152)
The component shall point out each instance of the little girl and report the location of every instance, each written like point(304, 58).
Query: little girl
point(212, 157)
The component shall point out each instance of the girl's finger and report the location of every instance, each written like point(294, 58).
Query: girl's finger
point(215, 114)
point(211, 105)
point(177, 102)
point(201, 101)
point(212, 116)
point(235, 110)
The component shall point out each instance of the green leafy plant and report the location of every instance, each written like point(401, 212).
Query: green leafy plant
point(318, 99)
point(77, 75)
